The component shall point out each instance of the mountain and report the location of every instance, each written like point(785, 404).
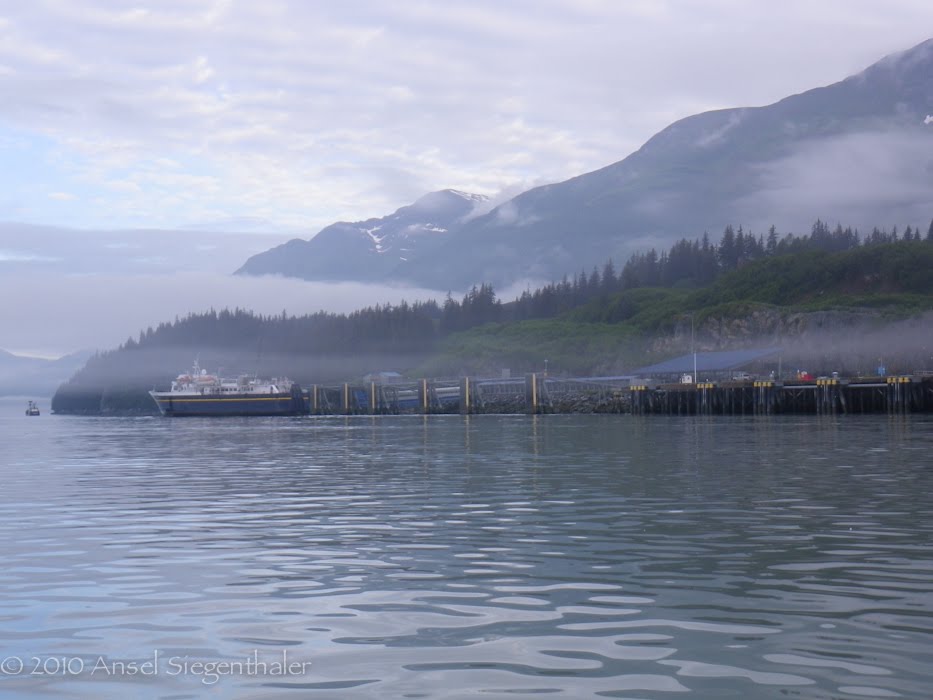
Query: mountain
point(36, 376)
point(369, 250)
point(860, 150)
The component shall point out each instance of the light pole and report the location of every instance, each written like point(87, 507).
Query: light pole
point(545, 366)
point(693, 347)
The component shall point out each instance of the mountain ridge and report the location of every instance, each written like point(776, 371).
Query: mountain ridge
point(860, 149)
point(368, 250)
point(22, 375)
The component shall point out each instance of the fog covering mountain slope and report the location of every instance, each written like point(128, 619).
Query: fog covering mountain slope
point(369, 250)
point(860, 150)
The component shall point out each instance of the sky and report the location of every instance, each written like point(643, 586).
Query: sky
point(269, 120)
point(285, 116)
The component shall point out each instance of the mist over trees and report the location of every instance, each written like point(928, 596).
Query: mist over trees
point(326, 346)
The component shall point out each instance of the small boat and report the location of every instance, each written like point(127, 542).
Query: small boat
point(201, 394)
point(32, 409)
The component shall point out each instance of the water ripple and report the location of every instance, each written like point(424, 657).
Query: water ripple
point(506, 557)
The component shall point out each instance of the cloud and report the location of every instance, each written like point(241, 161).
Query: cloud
point(848, 178)
point(304, 113)
point(64, 251)
point(18, 256)
point(717, 135)
point(484, 206)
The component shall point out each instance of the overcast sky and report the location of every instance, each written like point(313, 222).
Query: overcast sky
point(286, 115)
point(279, 117)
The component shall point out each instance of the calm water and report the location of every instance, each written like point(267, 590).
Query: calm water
point(445, 557)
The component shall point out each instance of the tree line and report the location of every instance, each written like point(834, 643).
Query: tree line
point(695, 263)
point(414, 327)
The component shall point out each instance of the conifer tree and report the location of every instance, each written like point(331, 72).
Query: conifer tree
point(727, 257)
point(609, 277)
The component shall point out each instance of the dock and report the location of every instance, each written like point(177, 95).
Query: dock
point(542, 394)
point(823, 396)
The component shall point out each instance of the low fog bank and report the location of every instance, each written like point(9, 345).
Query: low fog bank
point(902, 347)
point(157, 367)
point(56, 314)
point(36, 377)
point(119, 382)
point(853, 343)
point(849, 342)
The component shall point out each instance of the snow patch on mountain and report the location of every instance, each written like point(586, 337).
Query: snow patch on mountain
point(373, 248)
point(377, 240)
point(470, 197)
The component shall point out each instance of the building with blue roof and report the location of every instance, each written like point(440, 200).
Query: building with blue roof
point(708, 364)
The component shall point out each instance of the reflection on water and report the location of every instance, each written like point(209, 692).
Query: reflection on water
point(449, 557)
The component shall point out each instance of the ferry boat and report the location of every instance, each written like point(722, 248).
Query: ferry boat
point(32, 409)
point(198, 393)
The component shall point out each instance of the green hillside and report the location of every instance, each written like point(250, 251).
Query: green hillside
point(617, 332)
point(896, 275)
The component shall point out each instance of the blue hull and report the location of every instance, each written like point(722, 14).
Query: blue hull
point(233, 405)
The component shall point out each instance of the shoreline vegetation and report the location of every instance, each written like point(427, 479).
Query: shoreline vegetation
point(837, 301)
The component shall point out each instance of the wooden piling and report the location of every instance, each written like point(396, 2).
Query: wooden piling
point(531, 393)
point(345, 407)
point(423, 397)
point(466, 406)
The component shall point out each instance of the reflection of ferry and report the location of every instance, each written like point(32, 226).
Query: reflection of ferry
point(32, 409)
point(203, 394)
